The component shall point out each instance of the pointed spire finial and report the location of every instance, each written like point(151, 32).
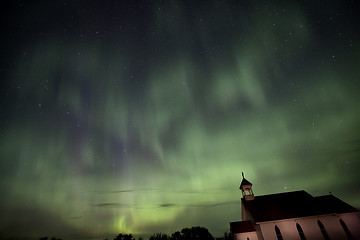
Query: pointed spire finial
point(242, 173)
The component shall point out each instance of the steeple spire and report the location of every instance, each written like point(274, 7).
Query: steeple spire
point(246, 188)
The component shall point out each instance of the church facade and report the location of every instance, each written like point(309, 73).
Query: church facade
point(294, 215)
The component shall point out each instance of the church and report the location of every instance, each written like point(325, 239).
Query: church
point(294, 215)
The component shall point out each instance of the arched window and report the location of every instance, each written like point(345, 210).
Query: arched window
point(278, 233)
point(323, 231)
point(301, 232)
point(248, 238)
point(348, 233)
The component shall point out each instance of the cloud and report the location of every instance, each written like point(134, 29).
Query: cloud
point(114, 205)
point(165, 205)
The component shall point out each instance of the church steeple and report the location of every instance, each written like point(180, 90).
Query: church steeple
point(246, 189)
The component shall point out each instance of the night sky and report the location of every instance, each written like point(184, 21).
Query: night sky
point(139, 117)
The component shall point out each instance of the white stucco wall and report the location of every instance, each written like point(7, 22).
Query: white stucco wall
point(311, 228)
point(245, 236)
point(244, 215)
point(352, 221)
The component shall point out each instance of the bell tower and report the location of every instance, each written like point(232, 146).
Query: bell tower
point(246, 189)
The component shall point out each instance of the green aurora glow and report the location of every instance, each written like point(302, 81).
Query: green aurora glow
point(140, 118)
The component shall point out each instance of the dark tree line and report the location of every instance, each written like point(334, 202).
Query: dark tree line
point(193, 233)
point(124, 237)
point(46, 238)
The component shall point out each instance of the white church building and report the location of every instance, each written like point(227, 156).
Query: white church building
point(294, 215)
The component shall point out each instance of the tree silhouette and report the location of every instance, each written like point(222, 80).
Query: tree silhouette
point(176, 236)
point(194, 233)
point(159, 236)
point(228, 236)
point(46, 238)
point(124, 237)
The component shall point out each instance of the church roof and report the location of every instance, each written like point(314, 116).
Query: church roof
point(241, 227)
point(245, 182)
point(293, 205)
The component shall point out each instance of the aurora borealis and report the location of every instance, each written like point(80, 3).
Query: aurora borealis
point(139, 116)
